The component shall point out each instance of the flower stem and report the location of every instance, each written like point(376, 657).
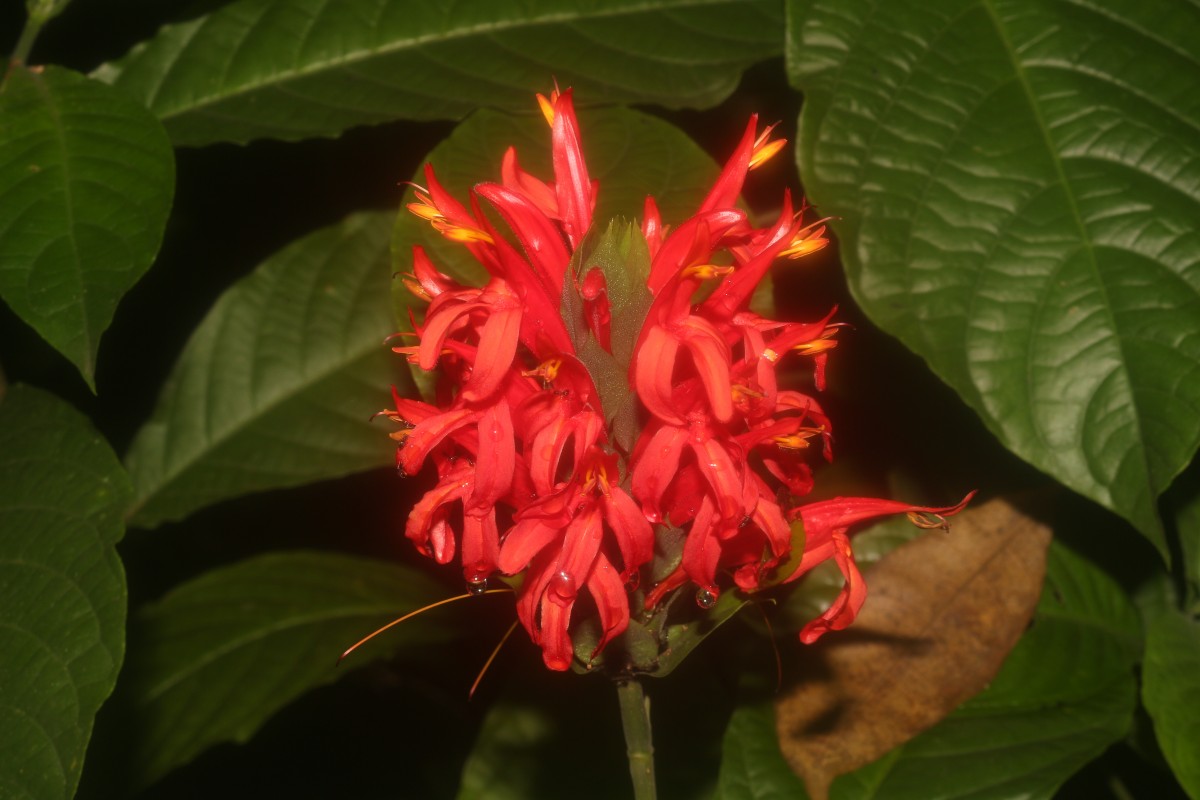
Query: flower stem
point(635, 719)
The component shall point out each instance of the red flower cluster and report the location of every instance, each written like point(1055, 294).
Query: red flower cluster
point(531, 479)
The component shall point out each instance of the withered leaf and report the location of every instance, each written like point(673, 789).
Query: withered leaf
point(943, 612)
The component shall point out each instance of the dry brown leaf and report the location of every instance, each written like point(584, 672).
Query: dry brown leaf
point(943, 612)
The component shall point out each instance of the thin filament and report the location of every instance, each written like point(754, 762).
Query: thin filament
point(491, 658)
point(410, 615)
point(774, 647)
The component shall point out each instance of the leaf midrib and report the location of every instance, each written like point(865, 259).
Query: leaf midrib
point(359, 56)
point(1088, 246)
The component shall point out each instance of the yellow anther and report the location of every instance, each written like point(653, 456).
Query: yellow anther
point(706, 272)
point(742, 392)
point(797, 440)
point(460, 233)
point(547, 106)
point(455, 232)
point(927, 520)
point(547, 370)
point(414, 287)
point(821, 344)
point(807, 240)
point(763, 149)
point(770, 355)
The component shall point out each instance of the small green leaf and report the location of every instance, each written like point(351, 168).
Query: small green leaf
point(682, 637)
point(292, 69)
point(62, 590)
point(87, 178)
point(1065, 693)
point(507, 757)
point(1015, 190)
point(222, 653)
point(559, 740)
point(752, 768)
point(1171, 692)
point(278, 384)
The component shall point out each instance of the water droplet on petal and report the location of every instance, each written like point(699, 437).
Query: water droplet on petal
point(563, 588)
point(633, 581)
point(477, 586)
point(707, 598)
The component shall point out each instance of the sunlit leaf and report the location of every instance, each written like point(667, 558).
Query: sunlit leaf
point(220, 654)
point(1016, 189)
point(62, 590)
point(292, 69)
point(87, 177)
point(278, 384)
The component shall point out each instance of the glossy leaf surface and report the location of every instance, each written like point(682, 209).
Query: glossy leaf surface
point(278, 384)
point(62, 590)
point(220, 654)
point(1017, 187)
point(303, 68)
point(87, 178)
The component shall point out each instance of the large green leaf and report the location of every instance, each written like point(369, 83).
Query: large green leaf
point(1017, 187)
point(87, 177)
point(278, 384)
point(1171, 692)
point(62, 590)
point(1065, 693)
point(301, 68)
point(222, 653)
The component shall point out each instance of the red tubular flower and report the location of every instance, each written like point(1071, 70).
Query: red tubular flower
point(536, 477)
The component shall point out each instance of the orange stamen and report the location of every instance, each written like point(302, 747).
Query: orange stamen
point(492, 657)
point(706, 271)
point(409, 616)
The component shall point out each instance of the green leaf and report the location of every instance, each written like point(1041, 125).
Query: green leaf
point(278, 384)
point(1016, 188)
point(302, 68)
point(1065, 693)
point(752, 768)
point(507, 757)
point(1183, 504)
point(87, 178)
point(1171, 692)
point(222, 653)
point(62, 590)
point(555, 741)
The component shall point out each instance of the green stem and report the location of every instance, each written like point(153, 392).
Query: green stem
point(21, 52)
point(635, 719)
